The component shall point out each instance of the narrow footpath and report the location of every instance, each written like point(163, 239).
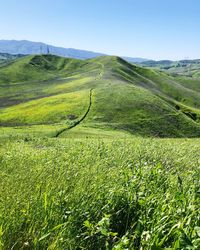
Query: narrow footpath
point(79, 121)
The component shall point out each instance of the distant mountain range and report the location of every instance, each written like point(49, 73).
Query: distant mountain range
point(28, 47)
point(182, 67)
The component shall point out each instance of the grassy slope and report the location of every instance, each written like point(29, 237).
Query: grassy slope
point(6, 58)
point(33, 68)
point(46, 110)
point(100, 188)
point(99, 194)
point(49, 89)
point(189, 82)
point(134, 106)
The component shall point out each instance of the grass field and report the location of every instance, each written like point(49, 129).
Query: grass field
point(99, 190)
point(98, 154)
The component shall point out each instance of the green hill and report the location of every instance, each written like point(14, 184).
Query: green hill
point(184, 67)
point(101, 184)
point(105, 92)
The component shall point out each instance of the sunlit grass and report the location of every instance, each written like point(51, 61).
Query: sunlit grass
point(99, 194)
point(46, 110)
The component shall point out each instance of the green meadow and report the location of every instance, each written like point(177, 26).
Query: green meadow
point(98, 154)
point(99, 190)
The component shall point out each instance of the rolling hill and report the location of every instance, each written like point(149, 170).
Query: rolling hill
point(77, 168)
point(102, 93)
point(5, 57)
point(184, 67)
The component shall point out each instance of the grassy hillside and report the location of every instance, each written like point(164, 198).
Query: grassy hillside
point(46, 89)
point(77, 170)
point(6, 58)
point(38, 67)
point(99, 194)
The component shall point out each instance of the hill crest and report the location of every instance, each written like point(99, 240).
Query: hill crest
point(43, 89)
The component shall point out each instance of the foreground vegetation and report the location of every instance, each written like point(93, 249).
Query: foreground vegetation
point(129, 193)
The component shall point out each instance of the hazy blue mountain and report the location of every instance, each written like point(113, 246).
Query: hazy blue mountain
point(28, 47)
point(168, 63)
point(183, 67)
point(135, 59)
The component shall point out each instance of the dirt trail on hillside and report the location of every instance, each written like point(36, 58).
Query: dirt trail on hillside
point(98, 77)
point(79, 121)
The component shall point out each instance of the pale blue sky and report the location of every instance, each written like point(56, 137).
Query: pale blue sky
point(155, 29)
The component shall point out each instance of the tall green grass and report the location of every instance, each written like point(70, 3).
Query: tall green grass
point(99, 194)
